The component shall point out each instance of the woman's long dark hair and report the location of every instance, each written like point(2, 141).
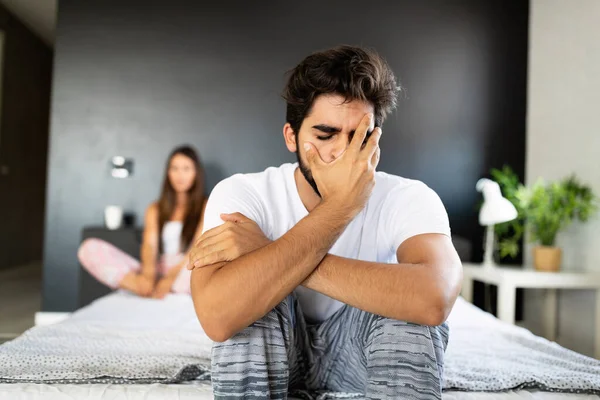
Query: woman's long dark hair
point(167, 200)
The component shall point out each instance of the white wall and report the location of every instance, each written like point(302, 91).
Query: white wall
point(563, 137)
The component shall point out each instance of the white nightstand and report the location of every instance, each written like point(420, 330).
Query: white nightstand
point(509, 279)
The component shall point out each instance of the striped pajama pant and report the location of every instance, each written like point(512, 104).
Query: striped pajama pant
point(353, 352)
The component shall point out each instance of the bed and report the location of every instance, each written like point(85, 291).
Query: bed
point(125, 347)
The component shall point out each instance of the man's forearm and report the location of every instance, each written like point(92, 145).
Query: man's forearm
point(407, 292)
point(244, 290)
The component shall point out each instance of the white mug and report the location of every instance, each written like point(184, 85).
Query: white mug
point(113, 217)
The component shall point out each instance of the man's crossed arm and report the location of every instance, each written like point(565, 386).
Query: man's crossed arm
point(421, 289)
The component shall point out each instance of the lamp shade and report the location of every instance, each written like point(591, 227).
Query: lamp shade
point(495, 209)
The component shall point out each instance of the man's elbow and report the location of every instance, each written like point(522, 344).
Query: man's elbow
point(440, 306)
point(213, 319)
point(217, 332)
point(210, 313)
point(215, 327)
point(438, 314)
point(442, 296)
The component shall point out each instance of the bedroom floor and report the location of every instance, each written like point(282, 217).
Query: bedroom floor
point(20, 299)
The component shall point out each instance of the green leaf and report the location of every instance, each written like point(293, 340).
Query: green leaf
point(544, 209)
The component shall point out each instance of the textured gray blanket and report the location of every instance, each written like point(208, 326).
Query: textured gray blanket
point(77, 353)
point(118, 339)
point(487, 355)
point(125, 339)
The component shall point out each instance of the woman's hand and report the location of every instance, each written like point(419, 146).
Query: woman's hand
point(238, 236)
point(145, 285)
point(163, 287)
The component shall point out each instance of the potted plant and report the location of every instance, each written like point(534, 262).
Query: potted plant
point(510, 233)
point(544, 209)
point(550, 208)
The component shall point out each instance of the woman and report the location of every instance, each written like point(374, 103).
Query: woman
point(170, 226)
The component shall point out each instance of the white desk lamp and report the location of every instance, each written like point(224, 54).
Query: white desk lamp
point(495, 210)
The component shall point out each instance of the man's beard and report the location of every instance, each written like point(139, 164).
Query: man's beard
point(307, 174)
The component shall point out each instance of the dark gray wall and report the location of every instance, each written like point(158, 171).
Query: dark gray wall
point(27, 73)
point(136, 78)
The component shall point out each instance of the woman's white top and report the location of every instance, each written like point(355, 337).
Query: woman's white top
point(171, 237)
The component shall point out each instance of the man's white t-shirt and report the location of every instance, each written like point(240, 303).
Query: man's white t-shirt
point(398, 209)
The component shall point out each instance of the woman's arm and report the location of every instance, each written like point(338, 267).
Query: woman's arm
point(149, 250)
point(174, 272)
point(165, 284)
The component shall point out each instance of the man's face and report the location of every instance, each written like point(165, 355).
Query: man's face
point(329, 127)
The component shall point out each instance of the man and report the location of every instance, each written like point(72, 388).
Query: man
point(327, 275)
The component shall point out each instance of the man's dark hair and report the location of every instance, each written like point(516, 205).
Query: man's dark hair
point(352, 72)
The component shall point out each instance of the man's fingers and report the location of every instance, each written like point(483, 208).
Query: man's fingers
point(210, 258)
point(212, 240)
point(375, 157)
point(209, 254)
point(361, 133)
point(372, 144)
point(229, 219)
point(235, 217)
point(312, 156)
point(211, 244)
point(213, 232)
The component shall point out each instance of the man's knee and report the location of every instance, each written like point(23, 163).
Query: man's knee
point(399, 352)
point(272, 330)
point(278, 322)
point(254, 362)
point(440, 335)
point(409, 336)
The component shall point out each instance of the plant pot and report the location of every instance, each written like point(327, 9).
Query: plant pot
point(546, 258)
